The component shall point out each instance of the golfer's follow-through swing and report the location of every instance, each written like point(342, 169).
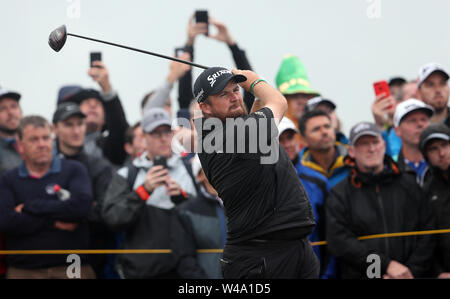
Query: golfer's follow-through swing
point(58, 38)
point(269, 216)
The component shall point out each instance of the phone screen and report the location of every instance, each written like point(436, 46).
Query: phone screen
point(381, 87)
point(95, 56)
point(201, 16)
point(179, 52)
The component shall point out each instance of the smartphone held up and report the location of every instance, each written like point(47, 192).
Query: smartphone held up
point(201, 16)
point(95, 56)
point(382, 87)
point(179, 52)
point(160, 160)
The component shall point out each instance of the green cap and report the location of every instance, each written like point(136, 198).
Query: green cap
point(292, 78)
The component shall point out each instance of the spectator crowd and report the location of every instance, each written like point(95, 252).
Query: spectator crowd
point(87, 179)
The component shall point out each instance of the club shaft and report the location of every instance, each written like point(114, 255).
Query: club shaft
point(139, 50)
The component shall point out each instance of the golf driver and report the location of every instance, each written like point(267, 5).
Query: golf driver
point(58, 38)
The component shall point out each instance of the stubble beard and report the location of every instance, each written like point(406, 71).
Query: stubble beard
point(8, 132)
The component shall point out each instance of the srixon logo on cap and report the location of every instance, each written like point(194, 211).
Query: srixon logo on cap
point(213, 77)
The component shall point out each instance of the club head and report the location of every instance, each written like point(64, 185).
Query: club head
point(57, 38)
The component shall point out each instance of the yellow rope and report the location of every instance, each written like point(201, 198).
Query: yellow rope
point(424, 232)
point(390, 235)
point(155, 251)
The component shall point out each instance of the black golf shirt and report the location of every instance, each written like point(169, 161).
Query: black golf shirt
point(258, 198)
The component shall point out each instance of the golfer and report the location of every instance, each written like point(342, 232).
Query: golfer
point(268, 212)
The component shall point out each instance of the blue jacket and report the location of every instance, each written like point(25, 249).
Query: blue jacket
point(393, 143)
point(340, 137)
point(34, 228)
point(317, 187)
point(338, 170)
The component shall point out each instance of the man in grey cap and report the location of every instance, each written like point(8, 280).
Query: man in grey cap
point(69, 128)
point(434, 91)
point(435, 146)
point(141, 198)
point(376, 198)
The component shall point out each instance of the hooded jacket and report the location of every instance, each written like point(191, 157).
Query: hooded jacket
point(337, 171)
point(109, 142)
point(367, 204)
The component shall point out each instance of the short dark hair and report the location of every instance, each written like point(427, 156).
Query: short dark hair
point(307, 116)
point(396, 81)
point(129, 133)
point(36, 121)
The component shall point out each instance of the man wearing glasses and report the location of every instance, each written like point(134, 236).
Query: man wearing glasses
point(141, 198)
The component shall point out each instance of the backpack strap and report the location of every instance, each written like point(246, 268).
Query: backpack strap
point(188, 166)
point(132, 174)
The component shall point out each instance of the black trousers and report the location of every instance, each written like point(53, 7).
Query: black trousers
point(270, 259)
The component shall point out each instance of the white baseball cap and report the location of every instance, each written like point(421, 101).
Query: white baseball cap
point(408, 106)
point(286, 124)
point(426, 70)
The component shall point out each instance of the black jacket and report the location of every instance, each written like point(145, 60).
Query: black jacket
point(405, 168)
point(447, 120)
point(145, 227)
point(112, 139)
point(100, 172)
point(204, 227)
point(438, 192)
point(366, 204)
